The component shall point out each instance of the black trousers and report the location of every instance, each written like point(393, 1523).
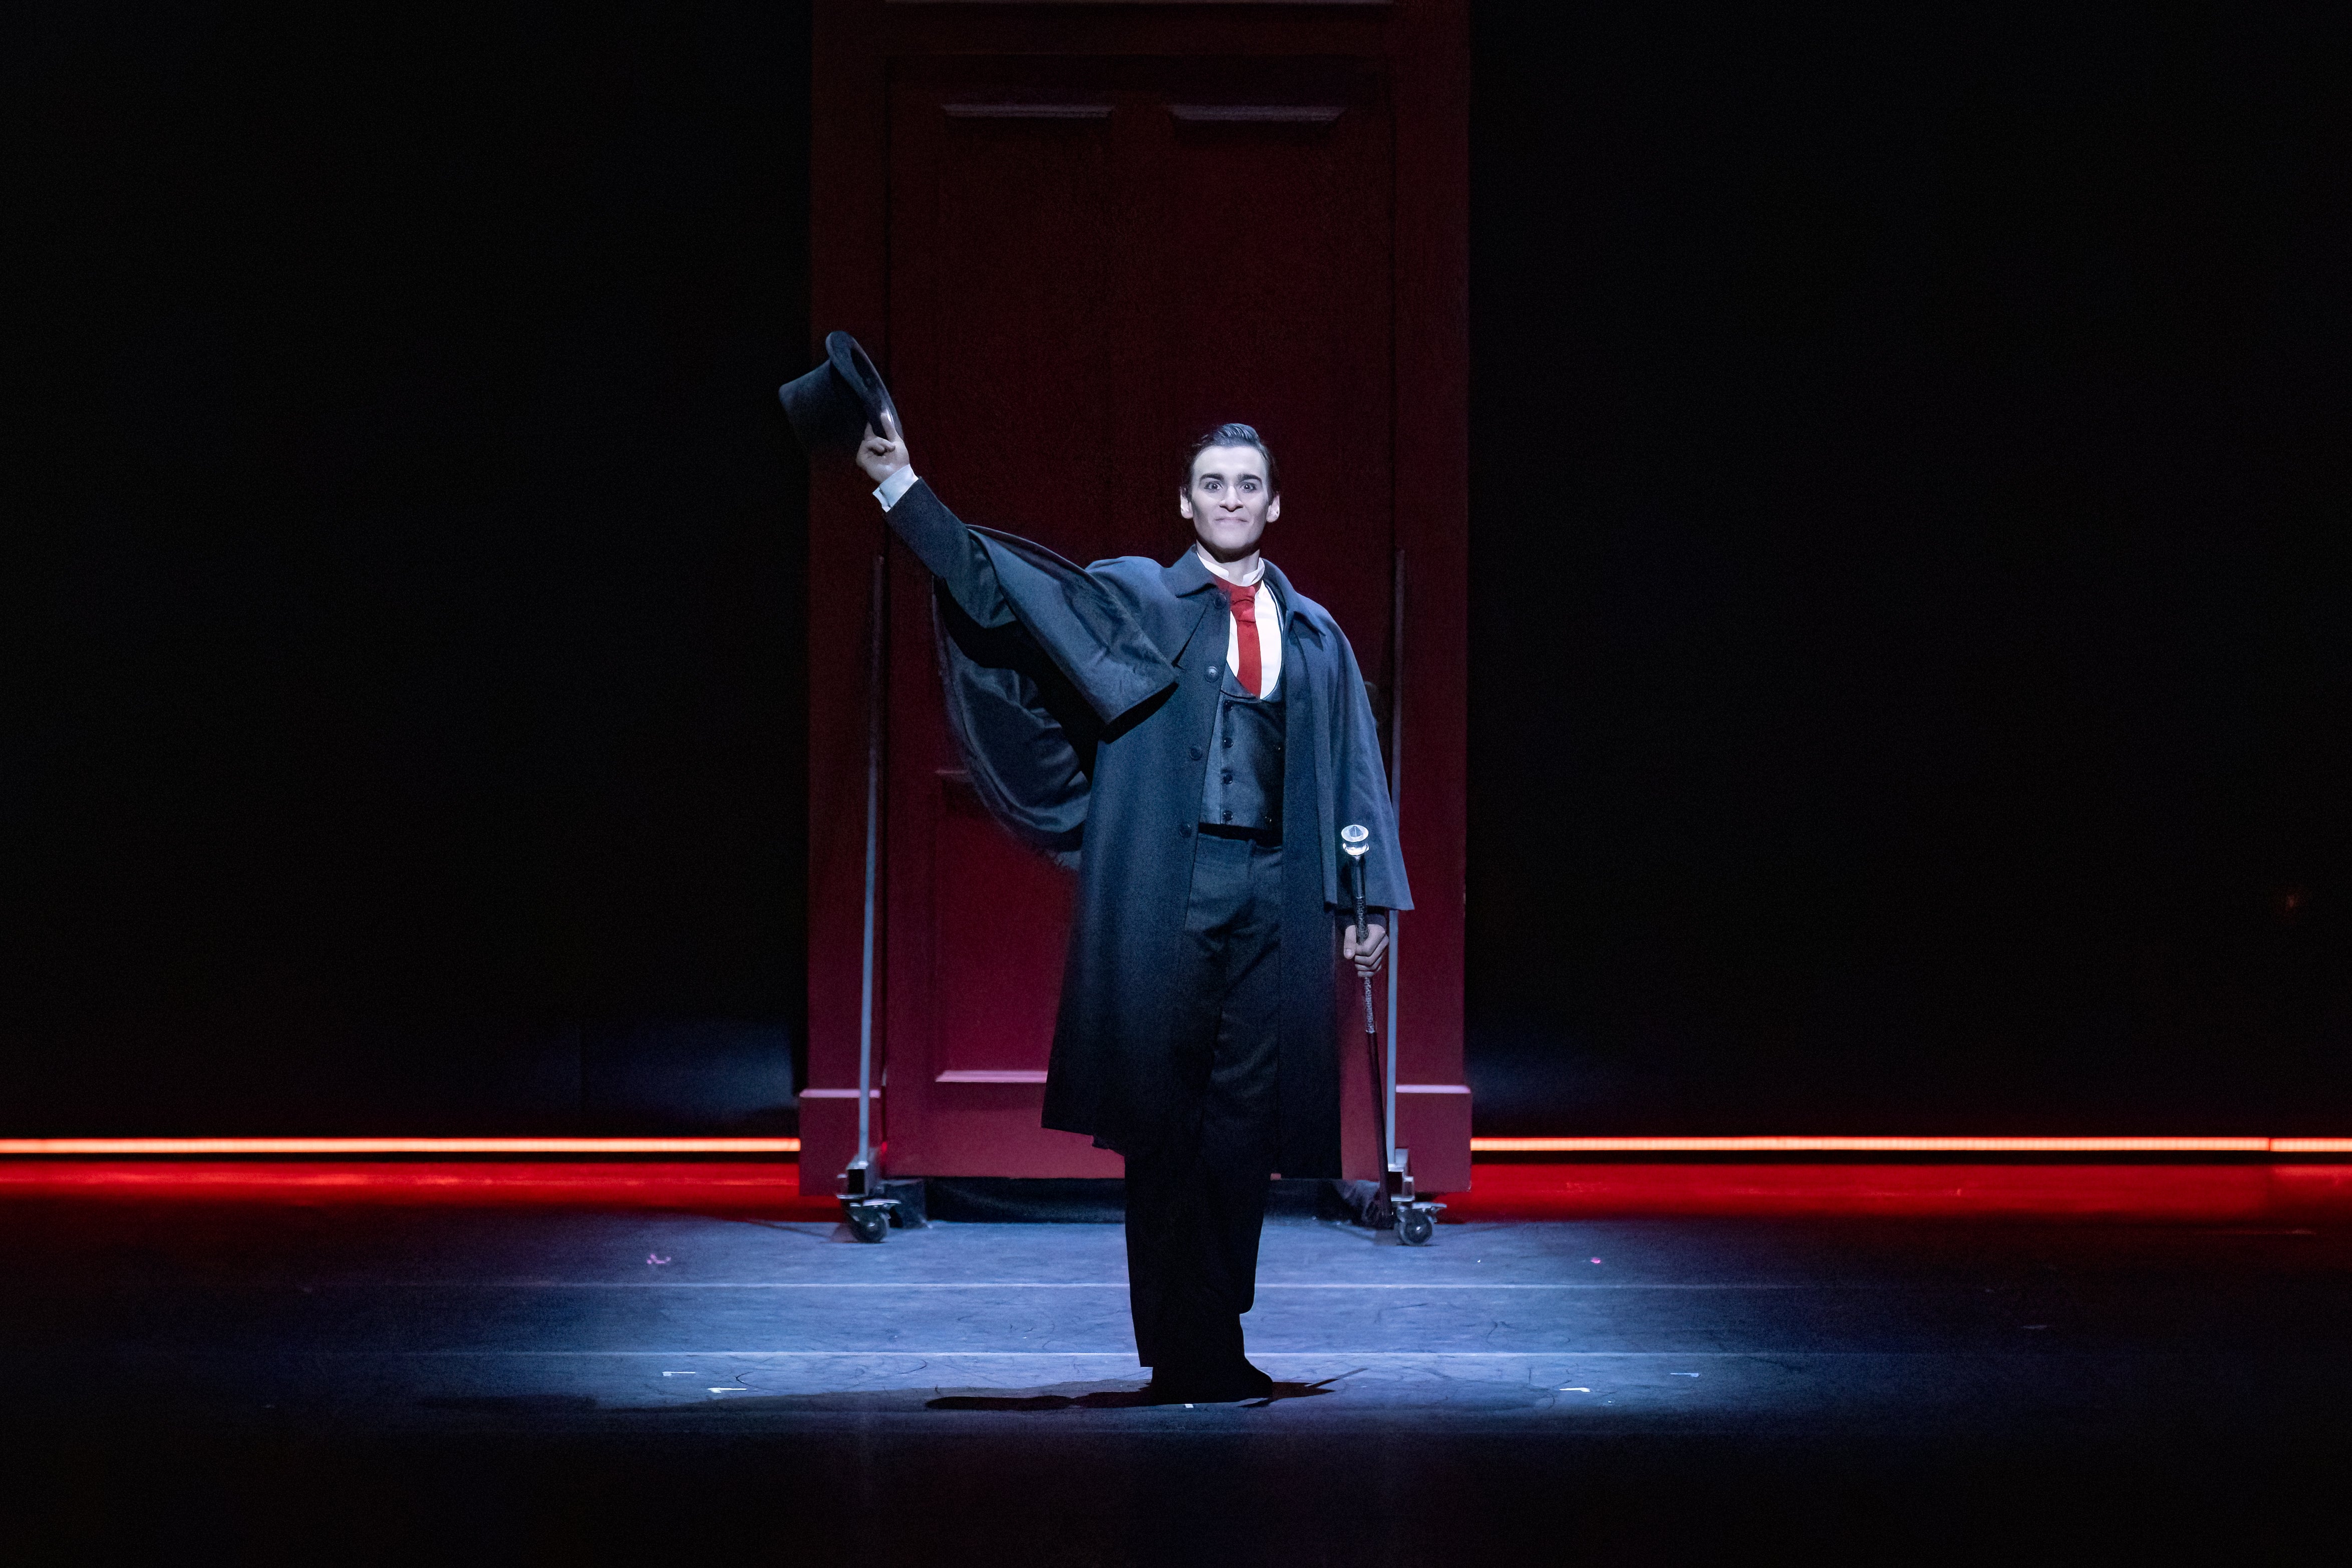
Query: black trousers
point(1196, 1192)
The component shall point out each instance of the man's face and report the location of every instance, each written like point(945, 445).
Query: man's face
point(1228, 502)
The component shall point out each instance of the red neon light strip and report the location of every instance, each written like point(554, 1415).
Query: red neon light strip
point(350, 1146)
point(1909, 1145)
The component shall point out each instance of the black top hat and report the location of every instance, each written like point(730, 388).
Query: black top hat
point(830, 406)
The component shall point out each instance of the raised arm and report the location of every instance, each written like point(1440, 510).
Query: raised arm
point(936, 535)
point(1082, 623)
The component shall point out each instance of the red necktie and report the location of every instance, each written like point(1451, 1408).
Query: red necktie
point(1252, 668)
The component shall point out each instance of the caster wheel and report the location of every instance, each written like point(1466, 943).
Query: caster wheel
point(1414, 1227)
point(870, 1224)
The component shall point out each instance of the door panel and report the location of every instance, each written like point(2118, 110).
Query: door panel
point(1003, 264)
point(1269, 265)
point(1090, 262)
point(1000, 915)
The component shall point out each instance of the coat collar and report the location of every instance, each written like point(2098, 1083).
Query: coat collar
point(1187, 575)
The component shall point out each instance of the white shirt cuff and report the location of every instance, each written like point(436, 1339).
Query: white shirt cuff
point(900, 481)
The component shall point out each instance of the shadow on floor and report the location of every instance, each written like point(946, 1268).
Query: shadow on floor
point(1108, 1399)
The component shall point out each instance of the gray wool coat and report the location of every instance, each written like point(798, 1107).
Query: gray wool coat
point(1083, 700)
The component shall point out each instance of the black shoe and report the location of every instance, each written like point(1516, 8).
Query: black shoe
point(1187, 1385)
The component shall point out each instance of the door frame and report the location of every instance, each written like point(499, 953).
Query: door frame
point(1423, 45)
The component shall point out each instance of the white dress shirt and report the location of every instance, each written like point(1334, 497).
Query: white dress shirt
point(1269, 622)
point(1269, 613)
point(901, 480)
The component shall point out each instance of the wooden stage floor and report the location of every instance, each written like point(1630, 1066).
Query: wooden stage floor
point(342, 1373)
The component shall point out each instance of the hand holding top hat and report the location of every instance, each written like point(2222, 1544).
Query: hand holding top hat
point(842, 402)
point(883, 453)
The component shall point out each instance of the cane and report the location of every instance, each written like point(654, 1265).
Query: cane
point(1356, 841)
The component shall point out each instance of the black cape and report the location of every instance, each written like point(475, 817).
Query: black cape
point(1082, 700)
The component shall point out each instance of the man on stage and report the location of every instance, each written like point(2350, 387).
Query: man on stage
point(1194, 735)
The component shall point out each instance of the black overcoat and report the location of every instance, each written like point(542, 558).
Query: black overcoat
point(1083, 700)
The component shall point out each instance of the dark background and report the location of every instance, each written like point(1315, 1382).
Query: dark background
point(1910, 659)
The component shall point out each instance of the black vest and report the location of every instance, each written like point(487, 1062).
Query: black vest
point(1242, 787)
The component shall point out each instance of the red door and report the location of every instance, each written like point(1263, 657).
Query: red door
point(1084, 259)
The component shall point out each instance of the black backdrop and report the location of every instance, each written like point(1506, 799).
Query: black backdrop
point(1910, 661)
point(412, 623)
point(1912, 497)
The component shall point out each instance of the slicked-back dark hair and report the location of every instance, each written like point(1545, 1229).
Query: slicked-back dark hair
point(1234, 435)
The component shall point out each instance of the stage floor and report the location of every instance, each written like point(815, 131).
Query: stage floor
point(526, 1384)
